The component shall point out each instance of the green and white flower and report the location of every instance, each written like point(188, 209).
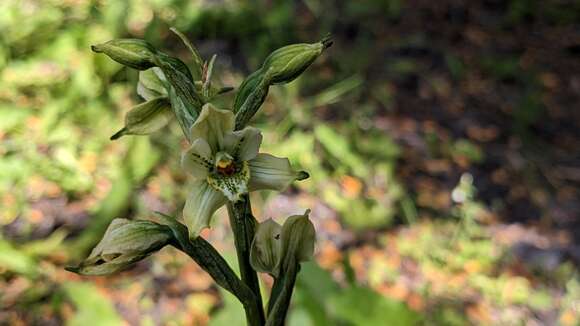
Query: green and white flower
point(225, 164)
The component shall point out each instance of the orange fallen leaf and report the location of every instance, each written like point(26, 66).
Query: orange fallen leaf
point(351, 186)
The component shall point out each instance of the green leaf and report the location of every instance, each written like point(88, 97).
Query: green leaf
point(251, 104)
point(15, 260)
point(362, 306)
point(338, 146)
point(206, 88)
point(186, 102)
point(197, 60)
point(314, 288)
point(246, 88)
point(92, 308)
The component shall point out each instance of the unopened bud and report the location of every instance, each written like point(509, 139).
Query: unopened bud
point(298, 237)
point(288, 62)
point(275, 246)
point(133, 53)
point(266, 248)
point(125, 242)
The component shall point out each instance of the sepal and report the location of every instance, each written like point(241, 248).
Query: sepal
point(146, 118)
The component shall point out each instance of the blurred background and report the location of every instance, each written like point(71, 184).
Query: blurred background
point(442, 139)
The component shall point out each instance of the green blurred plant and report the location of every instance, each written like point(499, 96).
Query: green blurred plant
point(322, 301)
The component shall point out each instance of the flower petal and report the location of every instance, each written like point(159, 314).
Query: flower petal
point(243, 144)
point(212, 125)
point(200, 205)
point(198, 160)
point(271, 172)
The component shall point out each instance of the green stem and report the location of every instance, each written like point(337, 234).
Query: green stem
point(275, 293)
point(205, 255)
point(281, 298)
point(213, 263)
point(243, 225)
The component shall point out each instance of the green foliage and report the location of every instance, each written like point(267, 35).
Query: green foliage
point(361, 306)
point(321, 301)
point(58, 101)
point(91, 306)
point(17, 261)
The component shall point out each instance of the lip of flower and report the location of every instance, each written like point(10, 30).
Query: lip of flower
point(225, 165)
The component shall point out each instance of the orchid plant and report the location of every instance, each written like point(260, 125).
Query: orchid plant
point(224, 163)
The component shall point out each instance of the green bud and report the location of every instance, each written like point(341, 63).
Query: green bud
point(152, 83)
point(298, 237)
point(280, 67)
point(125, 242)
point(276, 246)
point(146, 118)
point(133, 53)
point(288, 62)
point(266, 248)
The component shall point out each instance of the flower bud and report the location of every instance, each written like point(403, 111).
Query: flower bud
point(125, 242)
point(146, 118)
point(298, 237)
point(288, 62)
point(133, 53)
point(266, 248)
point(275, 246)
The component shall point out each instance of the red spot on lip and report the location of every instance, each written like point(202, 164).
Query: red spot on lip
point(227, 170)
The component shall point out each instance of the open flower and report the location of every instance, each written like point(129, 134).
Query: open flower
point(225, 165)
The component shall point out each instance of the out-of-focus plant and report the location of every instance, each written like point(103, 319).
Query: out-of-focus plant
point(225, 164)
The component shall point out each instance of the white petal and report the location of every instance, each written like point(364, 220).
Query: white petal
point(200, 205)
point(212, 125)
point(243, 144)
point(197, 160)
point(271, 172)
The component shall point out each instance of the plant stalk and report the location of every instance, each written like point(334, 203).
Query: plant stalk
point(282, 294)
point(243, 225)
